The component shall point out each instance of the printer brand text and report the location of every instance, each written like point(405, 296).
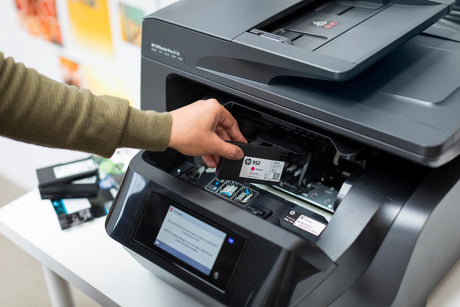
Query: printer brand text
point(167, 52)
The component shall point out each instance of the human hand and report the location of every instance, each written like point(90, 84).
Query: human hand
point(201, 129)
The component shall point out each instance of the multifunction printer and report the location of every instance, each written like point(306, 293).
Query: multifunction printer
point(361, 99)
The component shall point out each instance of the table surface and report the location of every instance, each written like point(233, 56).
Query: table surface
point(88, 258)
point(85, 256)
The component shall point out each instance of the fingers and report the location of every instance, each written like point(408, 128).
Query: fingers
point(219, 148)
point(201, 128)
point(211, 161)
point(227, 150)
point(230, 125)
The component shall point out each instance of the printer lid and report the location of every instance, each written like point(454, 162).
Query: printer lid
point(331, 40)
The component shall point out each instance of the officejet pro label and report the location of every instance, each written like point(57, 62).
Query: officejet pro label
point(261, 169)
point(167, 52)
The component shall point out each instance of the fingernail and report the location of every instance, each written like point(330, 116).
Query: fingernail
point(239, 155)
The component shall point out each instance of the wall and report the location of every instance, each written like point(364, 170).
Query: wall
point(89, 43)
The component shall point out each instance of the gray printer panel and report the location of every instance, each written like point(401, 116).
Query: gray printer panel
point(407, 104)
point(329, 40)
point(389, 214)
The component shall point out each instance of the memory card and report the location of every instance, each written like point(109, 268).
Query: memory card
point(260, 164)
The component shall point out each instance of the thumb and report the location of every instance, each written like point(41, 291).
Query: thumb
point(227, 150)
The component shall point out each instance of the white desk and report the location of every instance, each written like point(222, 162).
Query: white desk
point(84, 256)
point(89, 259)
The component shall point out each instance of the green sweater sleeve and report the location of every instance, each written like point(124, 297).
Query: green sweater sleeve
point(36, 109)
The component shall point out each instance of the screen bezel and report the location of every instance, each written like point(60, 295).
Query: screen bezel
point(227, 258)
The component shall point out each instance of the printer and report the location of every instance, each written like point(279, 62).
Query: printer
point(363, 96)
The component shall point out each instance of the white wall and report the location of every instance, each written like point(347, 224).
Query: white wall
point(18, 161)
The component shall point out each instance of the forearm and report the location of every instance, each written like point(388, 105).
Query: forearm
point(36, 109)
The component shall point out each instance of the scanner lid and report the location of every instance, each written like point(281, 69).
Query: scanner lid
point(328, 40)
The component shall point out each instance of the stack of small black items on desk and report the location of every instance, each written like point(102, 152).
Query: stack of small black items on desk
point(73, 189)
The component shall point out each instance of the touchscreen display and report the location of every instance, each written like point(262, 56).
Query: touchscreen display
point(186, 240)
point(190, 240)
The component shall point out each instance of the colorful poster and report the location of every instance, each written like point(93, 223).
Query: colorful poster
point(131, 23)
point(71, 72)
point(90, 25)
point(39, 18)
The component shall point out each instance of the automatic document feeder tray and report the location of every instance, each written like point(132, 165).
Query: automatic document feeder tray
point(263, 40)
